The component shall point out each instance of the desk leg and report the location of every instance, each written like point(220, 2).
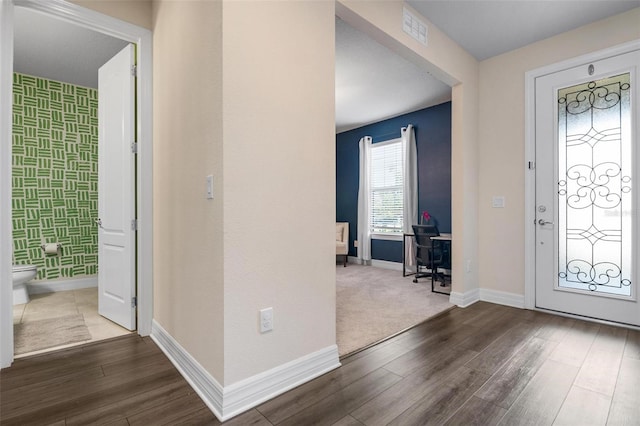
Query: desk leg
point(404, 260)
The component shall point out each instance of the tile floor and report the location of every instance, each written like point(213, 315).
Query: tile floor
point(62, 303)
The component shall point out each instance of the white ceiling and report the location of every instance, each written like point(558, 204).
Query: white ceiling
point(373, 83)
point(54, 49)
point(487, 28)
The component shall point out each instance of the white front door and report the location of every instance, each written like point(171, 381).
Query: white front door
point(116, 190)
point(587, 227)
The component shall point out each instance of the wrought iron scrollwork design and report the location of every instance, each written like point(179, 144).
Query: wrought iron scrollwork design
point(593, 185)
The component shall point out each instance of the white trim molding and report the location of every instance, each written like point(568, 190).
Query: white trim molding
point(114, 27)
point(502, 298)
point(530, 154)
point(465, 299)
point(470, 297)
point(384, 264)
point(229, 401)
point(6, 237)
point(52, 286)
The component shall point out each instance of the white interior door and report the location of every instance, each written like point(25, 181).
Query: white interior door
point(587, 155)
point(116, 190)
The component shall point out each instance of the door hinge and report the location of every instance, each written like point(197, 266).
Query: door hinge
point(134, 224)
point(532, 165)
point(134, 147)
point(134, 70)
point(134, 302)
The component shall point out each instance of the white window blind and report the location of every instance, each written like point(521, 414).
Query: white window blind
point(386, 187)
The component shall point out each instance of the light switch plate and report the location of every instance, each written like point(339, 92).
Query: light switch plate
point(497, 202)
point(210, 187)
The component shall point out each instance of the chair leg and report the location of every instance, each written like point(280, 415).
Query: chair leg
point(345, 260)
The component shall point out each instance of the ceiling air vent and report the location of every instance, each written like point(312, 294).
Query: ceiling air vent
point(414, 27)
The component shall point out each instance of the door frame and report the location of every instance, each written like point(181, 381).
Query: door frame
point(114, 27)
point(530, 156)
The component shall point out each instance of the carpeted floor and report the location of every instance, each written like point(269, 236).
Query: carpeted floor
point(374, 303)
point(47, 333)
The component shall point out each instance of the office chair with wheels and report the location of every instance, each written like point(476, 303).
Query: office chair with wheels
point(429, 254)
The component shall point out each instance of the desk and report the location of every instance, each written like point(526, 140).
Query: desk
point(442, 237)
point(404, 254)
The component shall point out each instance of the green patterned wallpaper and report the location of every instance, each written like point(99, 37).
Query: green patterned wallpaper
point(55, 176)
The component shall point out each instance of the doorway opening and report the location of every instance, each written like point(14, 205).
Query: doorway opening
point(141, 267)
point(378, 93)
point(58, 174)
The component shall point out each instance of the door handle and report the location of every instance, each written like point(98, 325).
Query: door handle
point(543, 222)
point(98, 222)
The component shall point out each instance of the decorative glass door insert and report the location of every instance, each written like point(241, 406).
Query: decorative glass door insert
point(595, 162)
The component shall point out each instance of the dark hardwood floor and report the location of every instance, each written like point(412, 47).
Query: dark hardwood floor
point(482, 365)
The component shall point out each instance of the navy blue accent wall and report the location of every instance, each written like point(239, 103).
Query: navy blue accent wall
point(433, 143)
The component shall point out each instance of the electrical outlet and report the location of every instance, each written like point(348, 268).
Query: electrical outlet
point(355, 243)
point(266, 320)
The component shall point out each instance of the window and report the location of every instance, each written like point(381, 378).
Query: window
point(386, 188)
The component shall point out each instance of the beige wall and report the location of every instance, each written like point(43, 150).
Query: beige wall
point(279, 181)
point(255, 108)
point(137, 12)
point(501, 134)
point(188, 145)
point(443, 58)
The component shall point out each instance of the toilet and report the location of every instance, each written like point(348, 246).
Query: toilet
point(21, 275)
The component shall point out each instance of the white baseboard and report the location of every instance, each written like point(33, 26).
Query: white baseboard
point(502, 298)
point(465, 299)
point(486, 295)
point(229, 401)
point(385, 264)
point(205, 385)
point(51, 286)
point(396, 266)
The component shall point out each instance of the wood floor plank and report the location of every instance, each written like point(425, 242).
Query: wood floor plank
point(573, 348)
point(625, 407)
point(488, 332)
point(148, 360)
point(310, 393)
point(555, 328)
point(477, 412)
point(92, 397)
point(502, 349)
point(541, 400)
point(19, 400)
point(632, 348)
point(583, 407)
point(442, 402)
point(170, 413)
point(347, 421)
point(74, 361)
point(250, 418)
point(506, 385)
point(599, 371)
point(401, 396)
point(335, 407)
point(132, 404)
point(488, 315)
point(437, 346)
point(200, 417)
point(417, 335)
